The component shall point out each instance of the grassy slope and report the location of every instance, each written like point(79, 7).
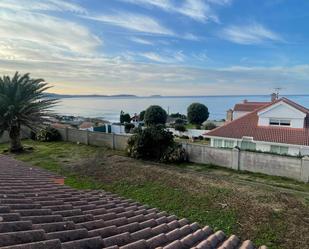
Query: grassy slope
point(210, 201)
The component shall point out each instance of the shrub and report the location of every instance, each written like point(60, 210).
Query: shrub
point(48, 134)
point(142, 115)
point(178, 115)
point(197, 113)
point(180, 127)
point(210, 126)
point(174, 154)
point(125, 117)
point(128, 127)
point(179, 121)
point(152, 143)
point(155, 115)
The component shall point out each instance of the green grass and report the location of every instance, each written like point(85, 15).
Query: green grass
point(202, 205)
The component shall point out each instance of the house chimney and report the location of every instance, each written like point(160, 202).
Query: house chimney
point(274, 97)
point(229, 115)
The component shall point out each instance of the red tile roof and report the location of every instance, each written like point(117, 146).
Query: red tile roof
point(37, 213)
point(249, 106)
point(248, 126)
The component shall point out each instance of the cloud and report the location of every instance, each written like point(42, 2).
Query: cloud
point(172, 57)
point(249, 34)
point(198, 10)
point(38, 30)
point(46, 5)
point(141, 41)
point(132, 21)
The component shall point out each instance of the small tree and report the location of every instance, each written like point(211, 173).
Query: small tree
point(142, 115)
point(197, 113)
point(22, 103)
point(125, 117)
point(155, 115)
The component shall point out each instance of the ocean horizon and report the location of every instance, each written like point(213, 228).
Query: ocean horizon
point(109, 107)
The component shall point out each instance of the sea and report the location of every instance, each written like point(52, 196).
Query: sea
point(109, 108)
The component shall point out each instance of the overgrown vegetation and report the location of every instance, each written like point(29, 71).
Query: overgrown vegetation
point(249, 205)
point(155, 143)
point(155, 115)
point(48, 134)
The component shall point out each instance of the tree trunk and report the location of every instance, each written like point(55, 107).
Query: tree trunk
point(15, 139)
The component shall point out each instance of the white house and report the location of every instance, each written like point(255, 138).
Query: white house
point(281, 126)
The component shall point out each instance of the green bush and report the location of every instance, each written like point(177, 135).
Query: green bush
point(153, 143)
point(180, 127)
point(174, 154)
point(180, 121)
point(155, 115)
point(125, 117)
point(142, 115)
point(210, 126)
point(48, 134)
point(197, 113)
point(128, 127)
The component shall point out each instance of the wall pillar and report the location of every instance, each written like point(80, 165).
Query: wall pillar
point(87, 137)
point(113, 141)
point(304, 171)
point(235, 159)
point(66, 134)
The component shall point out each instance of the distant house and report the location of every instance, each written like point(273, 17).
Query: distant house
point(86, 126)
point(281, 126)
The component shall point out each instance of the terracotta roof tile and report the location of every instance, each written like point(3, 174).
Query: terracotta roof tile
point(88, 219)
point(248, 126)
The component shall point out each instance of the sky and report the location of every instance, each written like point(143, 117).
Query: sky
point(167, 47)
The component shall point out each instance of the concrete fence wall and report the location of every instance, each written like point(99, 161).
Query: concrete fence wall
point(291, 167)
point(25, 133)
point(114, 141)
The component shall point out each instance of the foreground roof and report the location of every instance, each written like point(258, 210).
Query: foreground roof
point(38, 213)
point(247, 125)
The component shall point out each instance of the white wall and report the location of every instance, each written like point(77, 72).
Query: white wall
point(282, 110)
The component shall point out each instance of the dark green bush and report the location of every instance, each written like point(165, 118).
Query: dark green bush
point(125, 117)
point(155, 115)
point(197, 113)
point(48, 134)
point(210, 126)
point(152, 143)
point(128, 127)
point(174, 154)
point(180, 127)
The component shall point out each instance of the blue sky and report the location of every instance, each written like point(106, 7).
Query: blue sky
point(168, 47)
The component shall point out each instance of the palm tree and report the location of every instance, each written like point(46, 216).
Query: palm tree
point(22, 104)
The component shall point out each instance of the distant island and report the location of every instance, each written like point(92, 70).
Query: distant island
point(55, 95)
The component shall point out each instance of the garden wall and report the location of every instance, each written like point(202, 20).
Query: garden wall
point(114, 141)
point(291, 167)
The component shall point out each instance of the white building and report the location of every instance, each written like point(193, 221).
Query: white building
point(281, 126)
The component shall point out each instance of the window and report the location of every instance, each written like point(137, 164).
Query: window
point(218, 143)
point(246, 145)
point(280, 122)
point(279, 149)
point(229, 143)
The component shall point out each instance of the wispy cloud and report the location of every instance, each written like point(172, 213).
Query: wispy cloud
point(249, 34)
point(132, 21)
point(46, 5)
point(198, 10)
point(171, 57)
point(36, 31)
point(141, 41)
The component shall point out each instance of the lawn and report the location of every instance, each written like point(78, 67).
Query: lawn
point(269, 210)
